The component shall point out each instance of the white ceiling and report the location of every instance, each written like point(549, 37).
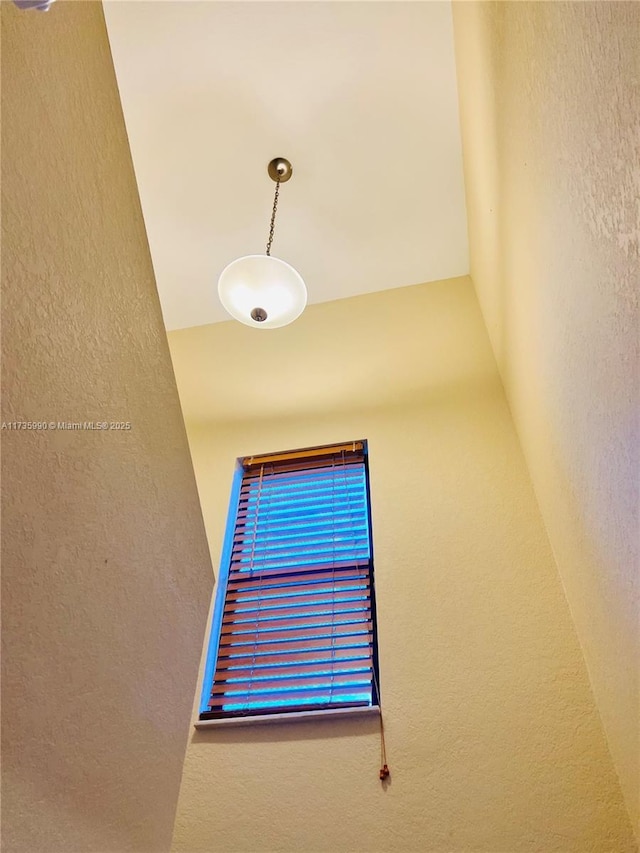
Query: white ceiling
point(361, 97)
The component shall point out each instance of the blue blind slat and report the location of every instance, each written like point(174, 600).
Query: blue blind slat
point(297, 480)
point(304, 703)
point(285, 654)
point(324, 684)
point(328, 488)
point(347, 512)
point(293, 605)
point(322, 546)
point(300, 637)
point(293, 619)
point(307, 556)
point(293, 625)
point(323, 676)
point(358, 533)
point(301, 594)
point(317, 663)
point(245, 565)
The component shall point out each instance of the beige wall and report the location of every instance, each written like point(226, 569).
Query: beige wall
point(106, 574)
point(494, 741)
point(550, 109)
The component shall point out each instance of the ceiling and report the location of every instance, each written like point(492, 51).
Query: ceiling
point(361, 97)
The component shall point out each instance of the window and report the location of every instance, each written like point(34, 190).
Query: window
point(294, 621)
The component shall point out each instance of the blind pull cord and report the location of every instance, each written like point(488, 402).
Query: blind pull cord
point(384, 767)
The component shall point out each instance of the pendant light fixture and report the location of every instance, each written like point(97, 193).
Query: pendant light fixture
point(260, 290)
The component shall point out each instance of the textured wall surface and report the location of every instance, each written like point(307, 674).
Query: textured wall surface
point(105, 569)
point(494, 740)
point(325, 361)
point(550, 107)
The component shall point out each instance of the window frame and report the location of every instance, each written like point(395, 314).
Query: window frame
point(205, 718)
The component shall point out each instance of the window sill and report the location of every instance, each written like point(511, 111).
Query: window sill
point(294, 717)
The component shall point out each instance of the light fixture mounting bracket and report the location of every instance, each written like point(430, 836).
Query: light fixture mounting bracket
point(280, 169)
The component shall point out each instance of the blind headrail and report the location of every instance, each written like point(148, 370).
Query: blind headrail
point(309, 453)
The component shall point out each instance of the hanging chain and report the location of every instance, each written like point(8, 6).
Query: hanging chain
point(273, 217)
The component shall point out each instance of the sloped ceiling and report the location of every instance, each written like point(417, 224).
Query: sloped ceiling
point(361, 97)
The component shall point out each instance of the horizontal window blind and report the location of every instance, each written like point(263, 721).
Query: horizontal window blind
point(298, 622)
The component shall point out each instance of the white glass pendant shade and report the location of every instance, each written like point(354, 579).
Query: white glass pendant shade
point(262, 291)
